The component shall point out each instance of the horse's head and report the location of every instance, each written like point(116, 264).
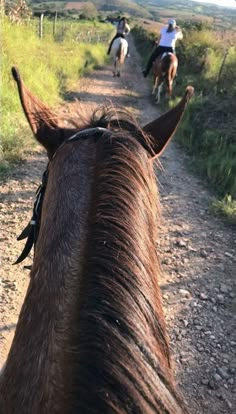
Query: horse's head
point(48, 132)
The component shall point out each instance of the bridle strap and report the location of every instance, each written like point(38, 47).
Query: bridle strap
point(86, 132)
point(83, 132)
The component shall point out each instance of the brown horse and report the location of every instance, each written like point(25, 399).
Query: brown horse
point(164, 70)
point(91, 336)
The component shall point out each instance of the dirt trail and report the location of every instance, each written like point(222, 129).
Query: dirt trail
point(197, 250)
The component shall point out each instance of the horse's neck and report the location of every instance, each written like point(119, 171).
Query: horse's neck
point(120, 337)
point(93, 306)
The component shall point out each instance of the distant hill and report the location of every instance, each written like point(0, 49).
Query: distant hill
point(127, 7)
point(190, 11)
point(153, 10)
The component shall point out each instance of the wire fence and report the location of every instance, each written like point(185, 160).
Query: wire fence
point(66, 30)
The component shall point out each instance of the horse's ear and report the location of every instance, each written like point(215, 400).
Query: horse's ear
point(43, 122)
point(164, 127)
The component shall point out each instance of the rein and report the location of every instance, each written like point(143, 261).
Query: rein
point(31, 231)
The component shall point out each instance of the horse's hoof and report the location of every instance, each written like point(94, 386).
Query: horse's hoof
point(118, 74)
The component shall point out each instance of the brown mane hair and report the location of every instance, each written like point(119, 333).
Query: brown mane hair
point(91, 336)
point(120, 287)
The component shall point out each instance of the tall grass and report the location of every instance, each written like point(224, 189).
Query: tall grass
point(48, 68)
point(226, 208)
point(211, 141)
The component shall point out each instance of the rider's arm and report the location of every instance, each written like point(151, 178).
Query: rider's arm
point(179, 33)
point(127, 29)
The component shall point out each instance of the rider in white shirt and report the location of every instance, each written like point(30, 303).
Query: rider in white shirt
point(122, 30)
point(167, 42)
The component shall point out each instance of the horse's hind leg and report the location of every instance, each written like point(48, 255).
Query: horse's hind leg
point(159, 90)
point(169, 84)
point(121, 63)
point(114, 70)
point(154, 85)
point(118, 67)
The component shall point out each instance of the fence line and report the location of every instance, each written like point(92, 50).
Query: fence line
point(61, 30)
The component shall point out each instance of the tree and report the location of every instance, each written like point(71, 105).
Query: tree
point(89, 11)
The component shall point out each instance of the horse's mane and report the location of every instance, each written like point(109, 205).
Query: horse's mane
point(125, 368)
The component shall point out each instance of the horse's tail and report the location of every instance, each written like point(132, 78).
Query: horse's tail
point(166, 63)
point(171, 65)
point(119, 52)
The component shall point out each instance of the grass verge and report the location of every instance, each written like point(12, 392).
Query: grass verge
point(48, 68)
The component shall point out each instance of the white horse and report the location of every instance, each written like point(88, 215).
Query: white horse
point(119, 52)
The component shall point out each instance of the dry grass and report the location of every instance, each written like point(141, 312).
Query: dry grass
point(150, 25)
point(76, 6)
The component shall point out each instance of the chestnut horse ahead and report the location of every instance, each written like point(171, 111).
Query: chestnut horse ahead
point(91, 336)
point(164, 71)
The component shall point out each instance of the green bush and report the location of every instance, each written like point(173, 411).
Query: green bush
point(226, 208)
point(144, 41)
point(208, 134)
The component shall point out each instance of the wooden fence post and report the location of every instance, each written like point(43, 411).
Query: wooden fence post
point(41, 26)
point(221, 70)
point(2, 7)
point(54, 24)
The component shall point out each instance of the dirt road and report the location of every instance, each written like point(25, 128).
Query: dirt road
point(197, 250)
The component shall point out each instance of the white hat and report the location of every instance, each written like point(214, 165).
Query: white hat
point(172, 22)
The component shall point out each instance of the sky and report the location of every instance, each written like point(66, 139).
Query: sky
point(225, 3)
